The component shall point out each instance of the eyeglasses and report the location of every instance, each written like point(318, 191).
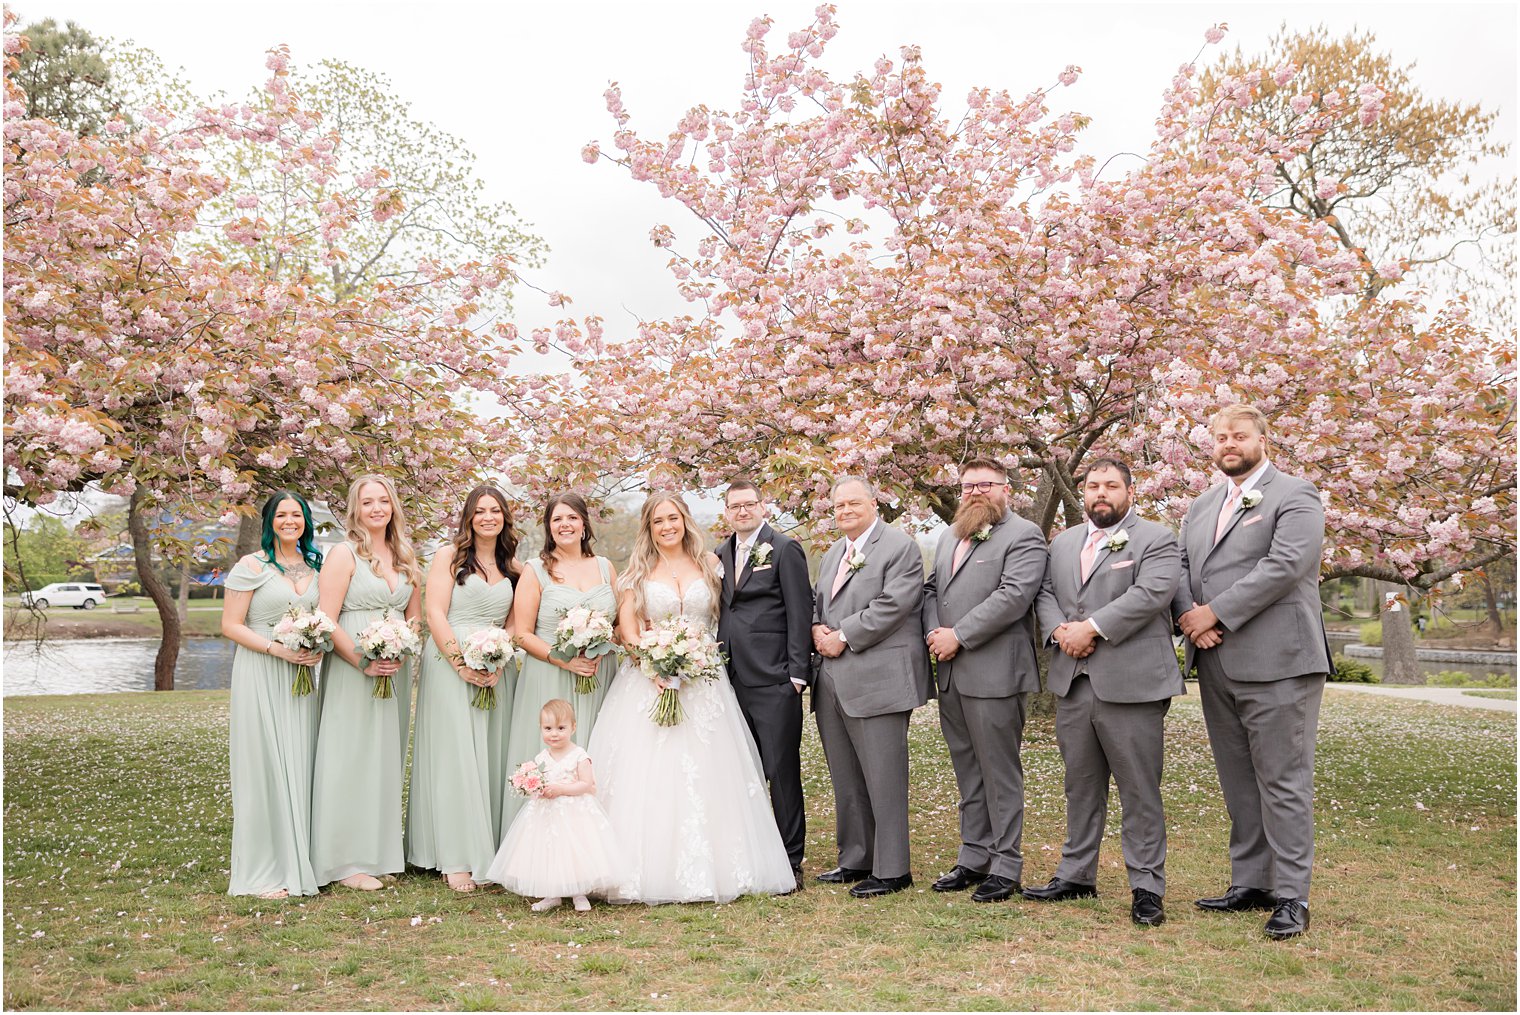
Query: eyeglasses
point(985, 486)
point(742, 506)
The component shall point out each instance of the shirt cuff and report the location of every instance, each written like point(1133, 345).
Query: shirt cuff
point(1096, 629)
point(843, 638)
point(801, 684)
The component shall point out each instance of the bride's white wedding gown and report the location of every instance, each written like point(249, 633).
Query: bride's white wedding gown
point(688, 803)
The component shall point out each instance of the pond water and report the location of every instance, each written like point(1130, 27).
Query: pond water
point(98, 665)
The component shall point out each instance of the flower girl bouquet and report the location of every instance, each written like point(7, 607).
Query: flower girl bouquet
point(582, 631)
point(390, 637)
point(677, 651)
point(487, 649)
point(530, 779)
point(304, 631)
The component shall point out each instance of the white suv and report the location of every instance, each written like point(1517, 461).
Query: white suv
point(79, 595)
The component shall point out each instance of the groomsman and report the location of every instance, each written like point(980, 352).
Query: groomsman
point(765, 625)
point(874, 673)
point(1106, 607)
point(978, 612)
point(1249, 606)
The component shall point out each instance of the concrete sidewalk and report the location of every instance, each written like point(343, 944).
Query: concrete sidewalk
point(1438, 695)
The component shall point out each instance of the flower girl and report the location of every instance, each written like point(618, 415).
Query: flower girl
point(561, 842)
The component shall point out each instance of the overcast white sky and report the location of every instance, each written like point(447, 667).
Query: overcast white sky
point(522, 84)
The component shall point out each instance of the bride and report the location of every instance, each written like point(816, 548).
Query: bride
point(688, 802)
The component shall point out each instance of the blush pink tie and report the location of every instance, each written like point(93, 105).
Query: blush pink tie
point(1090, 552)
point(1225, 512)
point(842, 573)
point(960, 555)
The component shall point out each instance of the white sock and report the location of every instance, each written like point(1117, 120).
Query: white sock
point(544, 905)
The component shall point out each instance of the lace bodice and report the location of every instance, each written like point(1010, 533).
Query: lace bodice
point(662, 602)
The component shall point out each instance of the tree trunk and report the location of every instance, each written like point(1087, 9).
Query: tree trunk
point(249, 531)
point(153, 585)
point(1400, 664)
point(1495, 621)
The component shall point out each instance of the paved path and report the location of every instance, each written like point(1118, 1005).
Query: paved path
point(1439, 695)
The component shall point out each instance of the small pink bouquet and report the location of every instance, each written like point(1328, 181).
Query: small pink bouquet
point(390, 637)
point(530, 779)
point(304, 631)
point(487, 649)
point(582, 632)
point(676, 651)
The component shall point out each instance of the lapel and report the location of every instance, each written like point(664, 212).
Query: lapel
point(726, 555)
point(1103, 550)
point(1235, 519)
point(742, 568)
point(865, 549)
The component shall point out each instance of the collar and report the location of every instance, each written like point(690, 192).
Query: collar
point(1250, 481)
point(851, 544)
point(1091, 528)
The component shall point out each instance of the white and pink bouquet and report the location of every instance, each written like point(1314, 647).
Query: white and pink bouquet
point(582, 632)
point(488, 650)
point(530, 779)
point(675, 652)
point(390, 637)
point(304, 631)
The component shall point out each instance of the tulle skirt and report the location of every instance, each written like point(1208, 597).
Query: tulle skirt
point(563, 847)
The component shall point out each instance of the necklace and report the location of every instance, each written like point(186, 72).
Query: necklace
point(296, 571)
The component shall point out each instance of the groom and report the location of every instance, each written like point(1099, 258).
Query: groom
point(765, 625)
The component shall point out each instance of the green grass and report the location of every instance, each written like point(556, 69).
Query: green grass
point(1502, 695)
point(116, 835)
point(204, 620)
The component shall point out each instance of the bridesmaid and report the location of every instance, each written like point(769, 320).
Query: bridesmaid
point(356, 793)
point(567, 574)
point(459, 764)
point(273, 734)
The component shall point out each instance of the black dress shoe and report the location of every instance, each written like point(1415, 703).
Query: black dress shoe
point(874, 886)
point(1059, 890)
point(1239, 899)
point(843, 876)
point(958, 878)
point(1146, 909)
point(1289, 919)
point(995, 889)
point(797, 883)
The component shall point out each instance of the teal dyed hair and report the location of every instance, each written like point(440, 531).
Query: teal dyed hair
point(308, 548)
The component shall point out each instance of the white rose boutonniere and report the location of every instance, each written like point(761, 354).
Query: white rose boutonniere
point(857, 560)
point(760, 555)
point(1118, 541)
point(982, 534)
point(1250, 499)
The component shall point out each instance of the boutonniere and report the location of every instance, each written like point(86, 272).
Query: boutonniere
point(760, 555)
point(982, 534)
point(1118, 541)
point(857, 560)
point(1250, 499)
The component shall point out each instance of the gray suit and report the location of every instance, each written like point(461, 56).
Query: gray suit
point(1261, 686)
point(983, 689)
point(863, 698)
point(1112, 704)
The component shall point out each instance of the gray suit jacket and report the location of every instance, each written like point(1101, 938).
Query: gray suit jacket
point(886, 667)
point(1261, 578)
point(1129, 593)
point(989, 602)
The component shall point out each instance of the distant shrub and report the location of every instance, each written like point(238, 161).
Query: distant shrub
point(1351, 671)
point(1372, 634)
point(1461, 678)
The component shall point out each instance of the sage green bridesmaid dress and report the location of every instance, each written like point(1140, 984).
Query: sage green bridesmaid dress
point(459, 762)
point(356, 791)
point(541, 681)
point(272, 739)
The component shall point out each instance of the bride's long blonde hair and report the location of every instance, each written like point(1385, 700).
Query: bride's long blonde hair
point(403, 556)
point(641, 565)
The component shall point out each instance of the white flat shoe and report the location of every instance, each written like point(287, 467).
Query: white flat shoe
point(544, 905)
point(363, 882)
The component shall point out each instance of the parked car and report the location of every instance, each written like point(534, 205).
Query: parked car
point(80, 595)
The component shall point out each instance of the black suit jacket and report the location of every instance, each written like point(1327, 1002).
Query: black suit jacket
point(766, 622)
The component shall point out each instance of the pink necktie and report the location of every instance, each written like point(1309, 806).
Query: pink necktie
point(843, 572)
point(1090, 552)
point(1226, 511)
point(960, 555)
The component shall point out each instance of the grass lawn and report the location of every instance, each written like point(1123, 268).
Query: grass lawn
point(117, 824)
point(1505, 695)
point(205, 619)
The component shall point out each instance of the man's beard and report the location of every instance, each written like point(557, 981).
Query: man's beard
point(975, 514)
point(1113, 514)
point(1246, 464)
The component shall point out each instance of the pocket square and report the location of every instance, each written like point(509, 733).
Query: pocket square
point(1252, 521)
point(762, 567)
point(1121, 564)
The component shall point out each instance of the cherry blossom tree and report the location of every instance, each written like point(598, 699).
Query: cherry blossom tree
point(159, 367)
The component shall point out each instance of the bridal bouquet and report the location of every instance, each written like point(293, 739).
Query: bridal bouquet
point(582, 632)
point(676, 651)
point(390, 637)
point(487, 649)
point(530, 779)
point(303, 631)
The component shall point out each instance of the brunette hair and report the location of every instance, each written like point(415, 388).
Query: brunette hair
point(576, 503)
point(465, 560)
point(1107, 463)
point(985, 463)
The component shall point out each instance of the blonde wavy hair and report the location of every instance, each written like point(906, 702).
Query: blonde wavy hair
point(641, 564)
point(403, 556)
